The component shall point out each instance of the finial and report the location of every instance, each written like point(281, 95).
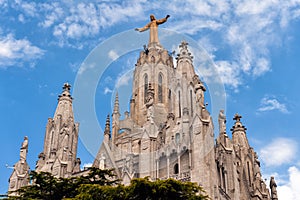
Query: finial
point(107, 125)
point(237, 117)
point(116, 105)
point(183, 45)
point(67, 87)
point(184, 52)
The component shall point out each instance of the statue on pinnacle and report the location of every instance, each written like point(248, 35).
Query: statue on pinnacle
point(153, 25)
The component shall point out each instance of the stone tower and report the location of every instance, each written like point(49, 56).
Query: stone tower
point(61, 138)
point(169, 132)
point(238, 167)
point(20, 174)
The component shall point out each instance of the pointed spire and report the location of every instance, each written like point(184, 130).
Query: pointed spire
point(239, 132)
point(107, 125)
point(116, 105)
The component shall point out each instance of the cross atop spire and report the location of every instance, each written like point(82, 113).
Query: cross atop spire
point(67, 87)
point(237, 117)
point(184, 52)
point(66, 95)
point(183, 45)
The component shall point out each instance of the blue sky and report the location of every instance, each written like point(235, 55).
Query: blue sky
point(254, 45)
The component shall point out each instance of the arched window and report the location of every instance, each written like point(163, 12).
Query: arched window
point(176, 168)
point(145, 87)
point(160, 96)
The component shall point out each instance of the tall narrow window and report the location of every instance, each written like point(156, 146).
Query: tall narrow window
point(160, 96)
point(191, 102)
point(145, 87)
point(176, 168)
point(179, 105)
point(52, 138)
point(72, 143)
point(249, 175)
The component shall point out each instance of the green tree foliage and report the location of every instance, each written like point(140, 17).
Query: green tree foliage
point(143, 188)
point(47, 187)
point(102, 184)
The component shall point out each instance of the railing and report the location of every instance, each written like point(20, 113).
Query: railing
point(184, 176)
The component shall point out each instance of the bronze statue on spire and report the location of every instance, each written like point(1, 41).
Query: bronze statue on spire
point(152, 25)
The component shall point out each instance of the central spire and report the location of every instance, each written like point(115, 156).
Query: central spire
point(153, 26)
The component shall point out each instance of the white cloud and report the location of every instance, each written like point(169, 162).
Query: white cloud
point(280, 151)
point(86, 165)
point(53, 14)
point(107, 90)
point(123, 79)
point(14, 52)
point(113, 55)
point(85, 67)
point(29, 8)
point(229, 73)
point(245, 31)
point(271, 103)
point(290, 190)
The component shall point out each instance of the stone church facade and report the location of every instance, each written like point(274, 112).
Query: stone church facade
point(168, 133)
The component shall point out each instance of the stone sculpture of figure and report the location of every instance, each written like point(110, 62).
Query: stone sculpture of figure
point(149, 104)
point(257, 167)
point(25, 143)
point(222, 122)
point(152, 25)
point(102, 162)
point(65, 129)
point(24, 149)
point(273, 186)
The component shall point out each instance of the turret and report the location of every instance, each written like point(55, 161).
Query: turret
point(61, 138)
point(185, 62)
point(239, 132)
point(115, 119)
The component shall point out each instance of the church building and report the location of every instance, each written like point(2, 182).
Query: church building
point(167, 133)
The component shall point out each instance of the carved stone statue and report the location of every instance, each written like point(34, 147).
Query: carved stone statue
point(222, 122)
point(24, 149)
point(153, 25)
point(257, 167)
point(25, 143)
point(273, 187)
point(149, 104)
point(102, 162)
